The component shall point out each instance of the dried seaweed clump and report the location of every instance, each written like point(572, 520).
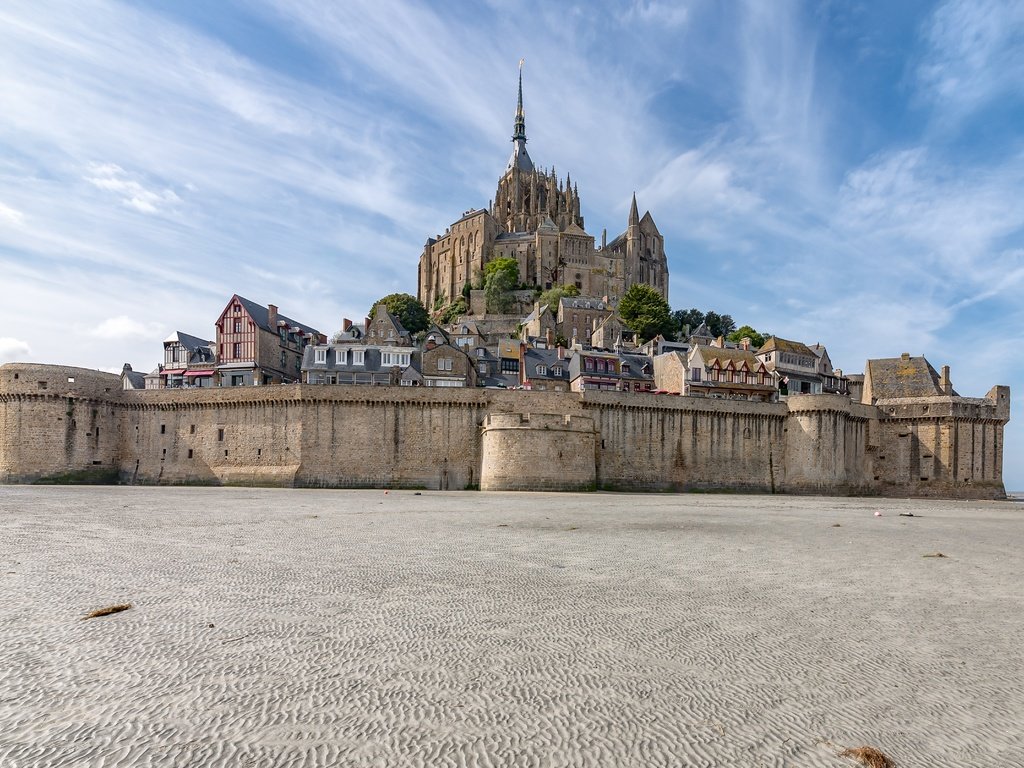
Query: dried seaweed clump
point(869, 757)
point(107, 611)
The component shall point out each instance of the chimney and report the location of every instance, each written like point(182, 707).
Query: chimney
point(431, 343)
point(838, 373)
point(561, 352)
point(272, 316)
point(905, 357)
point(550, 337)
point(604, 237)
point(346, 324)
point(745, 343)
point(944, 383)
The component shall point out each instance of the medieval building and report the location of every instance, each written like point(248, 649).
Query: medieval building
point(536, 218)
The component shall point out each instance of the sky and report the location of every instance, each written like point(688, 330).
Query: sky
point(848, 173)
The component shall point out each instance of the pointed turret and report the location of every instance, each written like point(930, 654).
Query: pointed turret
point(520, 158)
point(634, 215)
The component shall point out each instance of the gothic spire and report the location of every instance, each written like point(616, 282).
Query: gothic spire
point(634, 216)
point(519, 129)
point(520, 159)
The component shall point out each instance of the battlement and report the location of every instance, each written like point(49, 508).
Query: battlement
point(65, 424)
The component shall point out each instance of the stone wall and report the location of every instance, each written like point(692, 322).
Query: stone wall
point(67, 424)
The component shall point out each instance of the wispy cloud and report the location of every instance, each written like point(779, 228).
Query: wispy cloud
point(974, 53)
point(13, 349)
point(113, 178)
point(123, 328)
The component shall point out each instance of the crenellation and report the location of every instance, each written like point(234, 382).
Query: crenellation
point(316, 436)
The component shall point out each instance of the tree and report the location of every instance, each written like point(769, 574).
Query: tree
point(645, 311)
point(552, 296)
point(501, 276)
point(410, 313)
point(456, 309)
point(719, 325)
point(756, 339)
point(683, 319)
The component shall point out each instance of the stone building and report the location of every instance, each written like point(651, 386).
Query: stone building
point(536, 218)
point(258, 345)
point(444, 364)
point(794, 365)
point(188, 362)
point(728, 373)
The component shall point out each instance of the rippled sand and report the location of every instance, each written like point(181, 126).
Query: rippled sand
point(295, 628)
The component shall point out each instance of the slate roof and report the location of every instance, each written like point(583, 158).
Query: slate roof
point(261, 316)
point(187, 340)
point(775, 344)
point(724, 356)
point(533, 358)
point(136, 378)
point(371, 359)
point(903, 377)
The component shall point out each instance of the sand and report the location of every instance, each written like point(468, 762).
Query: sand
point(358, 628)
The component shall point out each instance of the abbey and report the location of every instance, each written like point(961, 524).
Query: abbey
point(536, 218)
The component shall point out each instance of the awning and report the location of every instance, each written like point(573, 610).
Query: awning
point(172, 371)
point(199, 373)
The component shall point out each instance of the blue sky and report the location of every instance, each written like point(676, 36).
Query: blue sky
point(842, 172)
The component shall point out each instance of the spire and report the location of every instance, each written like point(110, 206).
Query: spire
point(519, 130)
point(520, 158)
point(634, 216)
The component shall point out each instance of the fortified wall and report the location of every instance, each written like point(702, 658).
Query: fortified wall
point(60, 424)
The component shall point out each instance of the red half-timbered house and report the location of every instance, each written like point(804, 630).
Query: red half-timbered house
point(258, 345)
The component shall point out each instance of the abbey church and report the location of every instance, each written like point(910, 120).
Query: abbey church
point(536, 219)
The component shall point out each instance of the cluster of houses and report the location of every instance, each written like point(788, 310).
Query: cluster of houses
point(580, 345)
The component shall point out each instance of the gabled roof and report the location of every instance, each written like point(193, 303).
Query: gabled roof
point(187, 340)
point(702, 332)
point(727, 355)
point(261, 316)
point(575, 229)
point(775, 344)
point(904, 376)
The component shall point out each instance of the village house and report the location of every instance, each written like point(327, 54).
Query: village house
point(794, 365)
point(358, 364)
point(258, 345)
point(594, 369)
point(543, 370)
point(188, 362)
point(445, 365)
point(728, 373)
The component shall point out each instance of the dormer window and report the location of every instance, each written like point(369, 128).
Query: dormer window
point(542, 370)
point(357, 356)
point(321, 355)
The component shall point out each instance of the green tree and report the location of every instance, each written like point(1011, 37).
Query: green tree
point(719, 325)
point(501, 276)
point(756, 339)
point(686, 320)
point(645, 311)
point(552, 296)
point(410, 313)
point(456, 309)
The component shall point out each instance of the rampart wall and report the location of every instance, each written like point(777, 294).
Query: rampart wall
point(64, 424)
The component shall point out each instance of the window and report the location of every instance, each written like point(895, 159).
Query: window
point(589, 363)
point(695, 374)
point(509, 366)
point(238, 326)
point(542, 370)
point(237, 309)
point(481, 368)
point(480, 351)
point(163, 429)
point(238, 349)
point(357, 356)
point(556, 371)
point(444, 364)
point(220, 435)
point(320, 355)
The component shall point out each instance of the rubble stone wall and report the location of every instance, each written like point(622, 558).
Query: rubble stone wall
point(63, 424)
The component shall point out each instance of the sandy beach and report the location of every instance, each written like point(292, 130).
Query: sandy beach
point(358, 628)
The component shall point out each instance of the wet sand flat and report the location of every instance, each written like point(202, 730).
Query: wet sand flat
point(358, 628)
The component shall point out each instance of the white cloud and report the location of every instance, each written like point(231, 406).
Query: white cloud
point(10, 215)
point(124, 327)
point(975, 52)
point(664, 14)
point(13, 349)
point(115, 179)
